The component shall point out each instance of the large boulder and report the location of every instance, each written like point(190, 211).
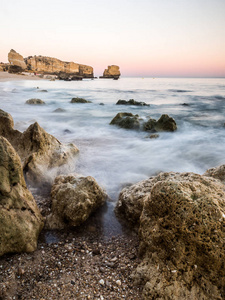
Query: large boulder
point(182, 233)
point(74, 198)
point(131, 199)
point(126, 120)
point(112, 72)
point(20, 218)
point(16, 60)
point(39, 151)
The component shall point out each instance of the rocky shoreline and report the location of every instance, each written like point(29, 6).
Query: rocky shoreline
point(178, 252)
point(53, 68)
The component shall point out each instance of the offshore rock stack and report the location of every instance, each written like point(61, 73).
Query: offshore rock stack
point(112, 72)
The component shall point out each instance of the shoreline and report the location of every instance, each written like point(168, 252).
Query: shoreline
point(5, 76)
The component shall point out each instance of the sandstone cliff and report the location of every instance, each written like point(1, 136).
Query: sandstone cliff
point(47, 65)
point(50, 65)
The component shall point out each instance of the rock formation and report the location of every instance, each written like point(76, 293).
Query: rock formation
point(111, 72)
point(17, 63)
point(20, 219)
point(39, 151)
point(74, 198)
point(126, 120)
point(49, 65)
point(79, 100)
point(130, 121)
point(164, 123)
point(35, 101)
point(131, 102)
point(182, 221)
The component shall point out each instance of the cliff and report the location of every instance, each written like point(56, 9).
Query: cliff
point(47, 65)
point(50, 65)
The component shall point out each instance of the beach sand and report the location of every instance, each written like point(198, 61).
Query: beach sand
point(5, 76)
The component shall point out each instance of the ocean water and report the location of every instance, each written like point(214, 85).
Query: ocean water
point(114, 156)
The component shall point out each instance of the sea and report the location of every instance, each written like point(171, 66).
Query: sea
point(116, 157)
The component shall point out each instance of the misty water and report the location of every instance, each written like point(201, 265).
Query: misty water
point(116, 157)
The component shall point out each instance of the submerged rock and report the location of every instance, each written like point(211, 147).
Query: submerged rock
point(74, 198)
point(79, 100)
point(131, 102)
point(126, 120)
point(35, 101)
point(182, 221)
point(39, 151)
point(59, 110)
point(154, 136)
point(130, 121)
point(20, 218)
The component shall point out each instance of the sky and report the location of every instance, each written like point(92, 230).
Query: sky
point(157, 38)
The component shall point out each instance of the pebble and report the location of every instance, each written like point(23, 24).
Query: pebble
point(102, 282)
point(118, 282)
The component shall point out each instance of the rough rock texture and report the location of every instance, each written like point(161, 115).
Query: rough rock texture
point(16, 59)
point(39, 151)
point(150, 125)
point(131, 102)
point(20, 219)
point(35, 101)
point(50, 65)
point(74, 198)
point(131, 199)
point(79, 100)
point(218, 173)
point(182, 232)
point(164, 123)
point(126, 120)
point(112, 72)
point(130, 121)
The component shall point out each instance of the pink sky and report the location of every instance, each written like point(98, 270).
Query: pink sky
point(145, 38)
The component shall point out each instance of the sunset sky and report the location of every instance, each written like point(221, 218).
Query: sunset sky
point(145, 37)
